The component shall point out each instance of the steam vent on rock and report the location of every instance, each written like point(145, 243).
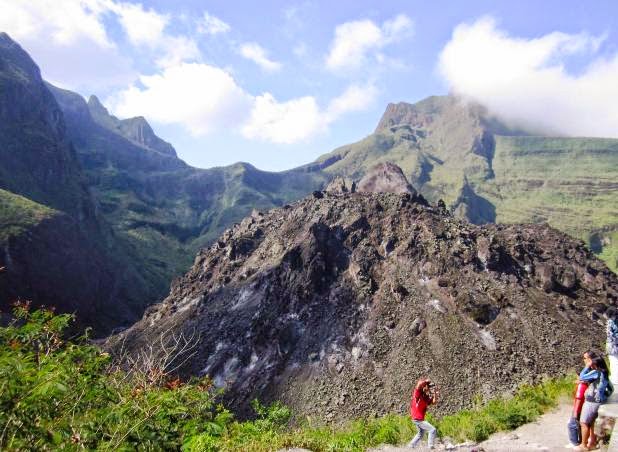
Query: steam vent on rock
point(337, 303)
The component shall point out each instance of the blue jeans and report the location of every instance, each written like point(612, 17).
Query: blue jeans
point(575, 433)
point(423, 426)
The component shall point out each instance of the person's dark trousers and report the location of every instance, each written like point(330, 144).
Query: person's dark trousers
point(575, 433)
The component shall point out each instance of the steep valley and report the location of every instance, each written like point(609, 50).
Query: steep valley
point(163, 209)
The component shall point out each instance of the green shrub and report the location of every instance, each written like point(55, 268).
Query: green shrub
point(58, 394)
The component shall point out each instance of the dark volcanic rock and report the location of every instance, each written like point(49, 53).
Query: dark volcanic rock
point(336, 305)
point(341, 185)
point(385, 178)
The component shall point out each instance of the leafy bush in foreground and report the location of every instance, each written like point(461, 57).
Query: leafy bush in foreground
point(58, 394)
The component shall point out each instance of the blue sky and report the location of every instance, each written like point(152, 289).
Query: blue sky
point(279, 83)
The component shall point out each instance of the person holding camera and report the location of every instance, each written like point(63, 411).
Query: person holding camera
point(425, 394)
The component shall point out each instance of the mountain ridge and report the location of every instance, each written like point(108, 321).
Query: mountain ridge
point(161, 208)
point(135, 129)
point(448, 147)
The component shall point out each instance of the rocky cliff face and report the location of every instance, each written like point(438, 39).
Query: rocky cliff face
point(385, 177)
point(56, 247)
point(37, 158)
point(137, 129)
point(338, 303)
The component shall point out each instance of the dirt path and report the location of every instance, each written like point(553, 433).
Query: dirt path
point(548, 433)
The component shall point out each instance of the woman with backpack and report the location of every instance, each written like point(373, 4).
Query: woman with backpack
point(597, 393)
point(586, 376)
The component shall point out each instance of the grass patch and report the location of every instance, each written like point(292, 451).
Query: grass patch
point(505, 414)
point(609, 253)
point(19, 214)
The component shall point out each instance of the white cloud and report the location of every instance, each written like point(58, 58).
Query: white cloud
point(526, 81)
point(300, 119)
point(398, 27)
point(64, 22)
point(356, 41)
point(283, 122)
point(211, 25)
point(68, 40)
point(146, 28)
point(205, 99)
point(354, 98)
point(175, 50)
point(143, 27)
point(352, 41)
point(254, 52)
point(201, 97)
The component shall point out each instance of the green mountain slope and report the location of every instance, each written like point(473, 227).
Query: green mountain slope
point(487, 172)
point(571, 183)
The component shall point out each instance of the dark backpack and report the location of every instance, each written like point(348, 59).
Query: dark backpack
point(609, 390)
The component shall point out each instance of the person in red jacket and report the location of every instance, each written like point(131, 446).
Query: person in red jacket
point(425, 393)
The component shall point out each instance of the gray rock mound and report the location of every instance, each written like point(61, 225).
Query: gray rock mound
point(336, 305)
point(385, 178)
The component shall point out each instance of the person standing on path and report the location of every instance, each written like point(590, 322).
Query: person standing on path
point(425, 393)
point(612, 344)
point(596, 394)
point(586, 376)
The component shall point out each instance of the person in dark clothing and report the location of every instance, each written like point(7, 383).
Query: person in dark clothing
point(425, 393)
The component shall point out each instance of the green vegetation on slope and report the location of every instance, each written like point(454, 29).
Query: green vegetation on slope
point(609, 251)
point(19, 214)
point(570, 183)
point(68, 394)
